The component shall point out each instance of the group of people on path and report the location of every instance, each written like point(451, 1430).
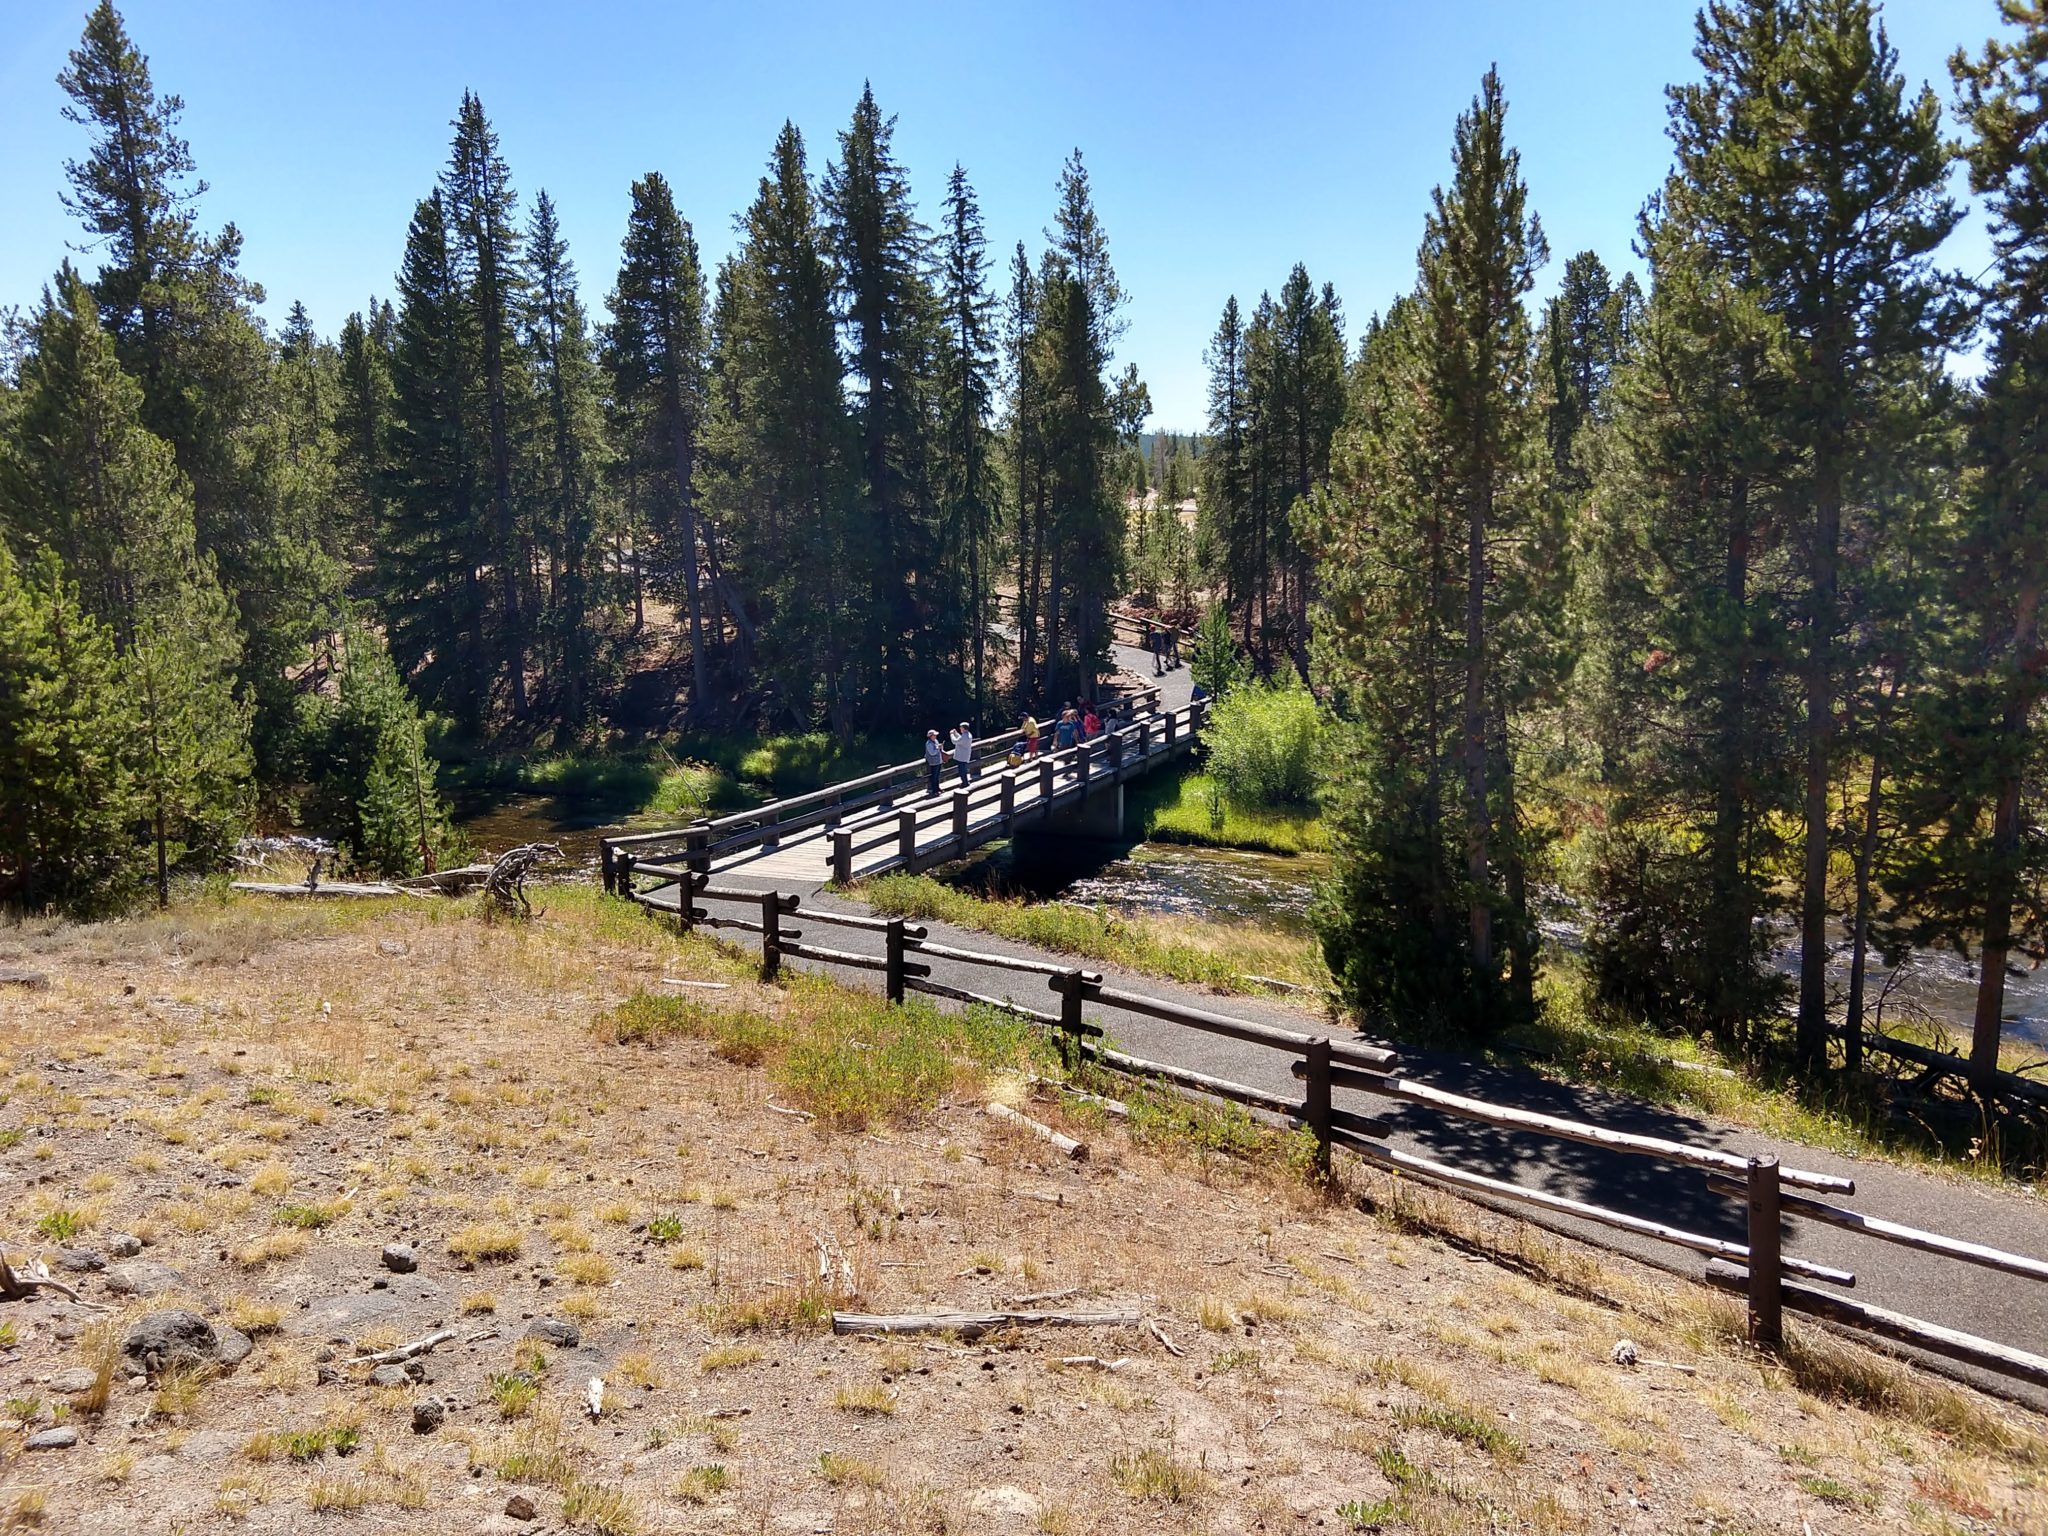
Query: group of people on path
point(1163, 641)
point(1078, 722)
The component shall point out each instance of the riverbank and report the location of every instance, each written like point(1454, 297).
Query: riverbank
point(602, 1181)
point(1190, 808)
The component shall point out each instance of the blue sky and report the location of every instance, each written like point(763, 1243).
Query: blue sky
point(1225, 142)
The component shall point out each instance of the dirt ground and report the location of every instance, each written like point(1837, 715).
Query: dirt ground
point(264, 1097)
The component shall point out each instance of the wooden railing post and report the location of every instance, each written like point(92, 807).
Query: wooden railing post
point(1047, 771)
point(1068, 984)
point(894, 952)
point(842, 856)
point(1114, 742)
point(1082, 753)
point(686, 900)
point(771, 935)
point(960, 818)
point(1172, 725)
point(1315, 1107)
point(1766, 1301)
point(695, 842)
point(906, 839)
point(1144, 739)
point(604, 864)
point(770, 818)
point(1010, 800)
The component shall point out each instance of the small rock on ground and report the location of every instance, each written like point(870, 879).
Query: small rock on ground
point(175, 1337)
point(61, 1438)
point(234, 1346)
point(389, 1376)
point(124, 1245)
point(553, 1330)
point(520, 1507)
point(1006, 1507)
point(69, 1383)
point(80, 1260)
point(427, 1415)
point(143, 1279)
point(399, 1258)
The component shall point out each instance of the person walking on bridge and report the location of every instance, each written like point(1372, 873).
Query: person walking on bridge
point(934, 760)
point(963, 750)
point(1029, 726)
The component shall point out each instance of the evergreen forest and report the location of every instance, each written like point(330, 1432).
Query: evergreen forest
point(1691, 610)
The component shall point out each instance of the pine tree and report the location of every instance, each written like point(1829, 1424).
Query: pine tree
point(184, 324)
point(571, 458)
point(482, 214)
point(1028, 478)
point(1994, 888)
point(189, 742)
point(656, 357)
point(887, 312)
point(83, 477)
point(66, 798)
point(1685, 679)
point(430, 549)
point(779, 451)
point(1225, 485)
point(1479, 257)
point(1812, 178)
point(970, 486)
point(375, 782)
point(363, 425)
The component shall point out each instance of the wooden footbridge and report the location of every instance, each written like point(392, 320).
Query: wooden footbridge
point(886, 821)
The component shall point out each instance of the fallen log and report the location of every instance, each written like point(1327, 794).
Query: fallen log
point(330, 888)
point(449, 882)
point(971, 1325)
point(405, 1352)
point(1077, 1150)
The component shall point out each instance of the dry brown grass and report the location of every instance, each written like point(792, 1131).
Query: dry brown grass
point(1354, 1356)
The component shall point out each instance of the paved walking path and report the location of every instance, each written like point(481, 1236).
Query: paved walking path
point(2009, 1310)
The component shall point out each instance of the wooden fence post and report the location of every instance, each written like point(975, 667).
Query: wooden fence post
point(770, 821)
point(1144, 739)
point(686, 900)
point(1766, 1318)
point(1047, 770)
point(1068, 985)
point(1172, 721)
point(842, 856)
point(906, 839)
point(696, 841)
point(1315, 1107)
point(1081, 755)
point(894, 951)
point(622, 873)
point(960, 818)
point(771, 935)
point(604, 864)
point(1010, 800)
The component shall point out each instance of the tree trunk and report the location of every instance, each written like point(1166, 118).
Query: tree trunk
point(1810, 1040)
point(1478, 821)
point(686, 516)
point(163, 866)
point(1866, 859)
point(1729, 917)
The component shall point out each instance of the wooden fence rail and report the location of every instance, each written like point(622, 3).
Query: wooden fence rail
point(1756, 1267)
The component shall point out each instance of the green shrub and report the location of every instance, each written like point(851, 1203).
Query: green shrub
point(1263, 745)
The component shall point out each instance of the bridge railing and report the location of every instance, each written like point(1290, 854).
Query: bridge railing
point(710, 837)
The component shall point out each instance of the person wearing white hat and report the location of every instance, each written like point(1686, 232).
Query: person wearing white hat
point(963, 750)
